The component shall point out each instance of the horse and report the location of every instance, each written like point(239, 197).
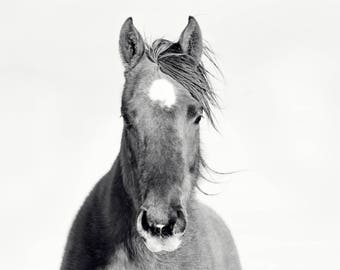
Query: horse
point(143, 214)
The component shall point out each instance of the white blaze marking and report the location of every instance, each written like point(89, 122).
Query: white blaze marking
point(163, 91)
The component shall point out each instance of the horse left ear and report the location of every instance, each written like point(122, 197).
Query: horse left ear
point(191, 39)
point(131, 44)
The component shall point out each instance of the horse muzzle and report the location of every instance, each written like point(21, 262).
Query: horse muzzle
point(162, 232)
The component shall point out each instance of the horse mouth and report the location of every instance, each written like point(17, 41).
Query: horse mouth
point(158, 239)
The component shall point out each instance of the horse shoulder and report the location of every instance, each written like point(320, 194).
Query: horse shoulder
point(217, 237)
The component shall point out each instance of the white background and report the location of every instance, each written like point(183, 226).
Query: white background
point(60, 86)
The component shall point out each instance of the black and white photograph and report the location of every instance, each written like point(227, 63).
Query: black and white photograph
point(169, 135)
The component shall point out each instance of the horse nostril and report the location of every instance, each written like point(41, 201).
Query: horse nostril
point(145, 224)
point(181, 222)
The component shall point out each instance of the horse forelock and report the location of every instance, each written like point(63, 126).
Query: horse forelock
point(186, 70)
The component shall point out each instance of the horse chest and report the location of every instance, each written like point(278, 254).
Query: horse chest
point(120, 261)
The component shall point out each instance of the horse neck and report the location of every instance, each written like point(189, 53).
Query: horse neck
point(119, 211)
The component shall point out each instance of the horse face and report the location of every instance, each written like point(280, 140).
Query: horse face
point(161, 140)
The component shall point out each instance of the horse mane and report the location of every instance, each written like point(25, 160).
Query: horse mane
point(187, 71)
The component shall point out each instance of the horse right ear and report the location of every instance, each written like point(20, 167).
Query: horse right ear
point(191, 39)
point(131, 44)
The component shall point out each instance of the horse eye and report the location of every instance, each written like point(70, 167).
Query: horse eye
point(198, 119)
point(126, 120)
